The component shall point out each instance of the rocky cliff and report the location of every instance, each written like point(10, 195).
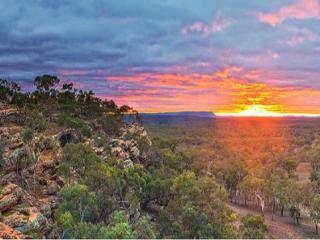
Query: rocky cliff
point(28, 173)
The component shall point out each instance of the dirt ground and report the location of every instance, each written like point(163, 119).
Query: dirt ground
point(281, 227)
point(303, 170)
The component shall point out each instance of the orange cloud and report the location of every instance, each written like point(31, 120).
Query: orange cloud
point(229, 90)
point(301, 9)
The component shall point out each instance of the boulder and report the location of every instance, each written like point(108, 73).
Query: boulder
point(135, 152)
point(15, 145)
point(10, 196)
point(17, 155)
point(119, 152)
point(7, 232)
point(26, 219)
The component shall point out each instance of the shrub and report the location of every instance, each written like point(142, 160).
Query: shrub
point(119, 227)
point(2, 144)
point(87, 131)
point(253, 227)
point(36, 121)
point(78, 158)
point(70, 122)
point(27, 135)
point(99, 139)
point(79, 202)
point(111, 124)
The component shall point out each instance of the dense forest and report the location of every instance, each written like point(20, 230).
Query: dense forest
point(112, 179)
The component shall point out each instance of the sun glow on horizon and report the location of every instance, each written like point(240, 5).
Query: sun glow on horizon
point(262, 111)
point(258, 111)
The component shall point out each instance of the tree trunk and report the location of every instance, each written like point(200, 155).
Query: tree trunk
point(317, 231)
point(245, 201)
point(282, 210)
point(273, 209)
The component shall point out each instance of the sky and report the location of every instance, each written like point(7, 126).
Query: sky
point(229, 57)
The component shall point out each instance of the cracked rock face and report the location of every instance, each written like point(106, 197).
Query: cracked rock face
point(28, 194)
point(10, 196)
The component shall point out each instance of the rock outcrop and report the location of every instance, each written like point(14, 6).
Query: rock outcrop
point(11, 115)
point(126, 146)
point(29, 182)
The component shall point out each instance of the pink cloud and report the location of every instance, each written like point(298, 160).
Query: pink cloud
point(300, 36)
point(217, 25)
point(301, 9)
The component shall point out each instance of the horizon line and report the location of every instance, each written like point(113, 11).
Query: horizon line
point(273, 114)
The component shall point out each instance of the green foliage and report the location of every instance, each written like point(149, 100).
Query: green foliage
point(144, 229)
point(46, 82)
point(104, 180)
point(2, 145)
point(111, 124)
point(119, 228)
point(100, 139)
point(36, 121)
point(27, 135)
point(71, 122)
point(315, 209)
point(134, 178)
point(34, 234)
point(193, 210)
point(279, 189)
point(86, 131)
point(314, 158)
point(230, 172)
point(77, 158)
point(79, 202)
point(289, 164)
point(85, 230)
point(253, 227)
point(45, 143)
point(21, 158)
point(167, 142)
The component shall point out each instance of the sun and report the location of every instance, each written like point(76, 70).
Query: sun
point(257, 111)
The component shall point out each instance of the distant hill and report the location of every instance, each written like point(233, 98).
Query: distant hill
point(181, 114)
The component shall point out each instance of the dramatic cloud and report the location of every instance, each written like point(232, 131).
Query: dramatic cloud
point(170, 55)
point(301, 9)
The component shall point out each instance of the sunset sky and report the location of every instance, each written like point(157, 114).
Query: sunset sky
point(230, 56)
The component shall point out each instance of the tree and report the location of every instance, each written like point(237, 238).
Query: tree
point(79, 201)
point(35, 120)
point(119, 228)
point(67, 86)
point(249, 186)
point(104, 180)
point(295, 192)
point(231, 173)
point(315, 211)
point(144, 229)
point(195, 209)
point(289, 164)
point(86, 230)
point(278, 190)
point(78, 158)
point(314, 158)
point(253, 227)
point(46, 82)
